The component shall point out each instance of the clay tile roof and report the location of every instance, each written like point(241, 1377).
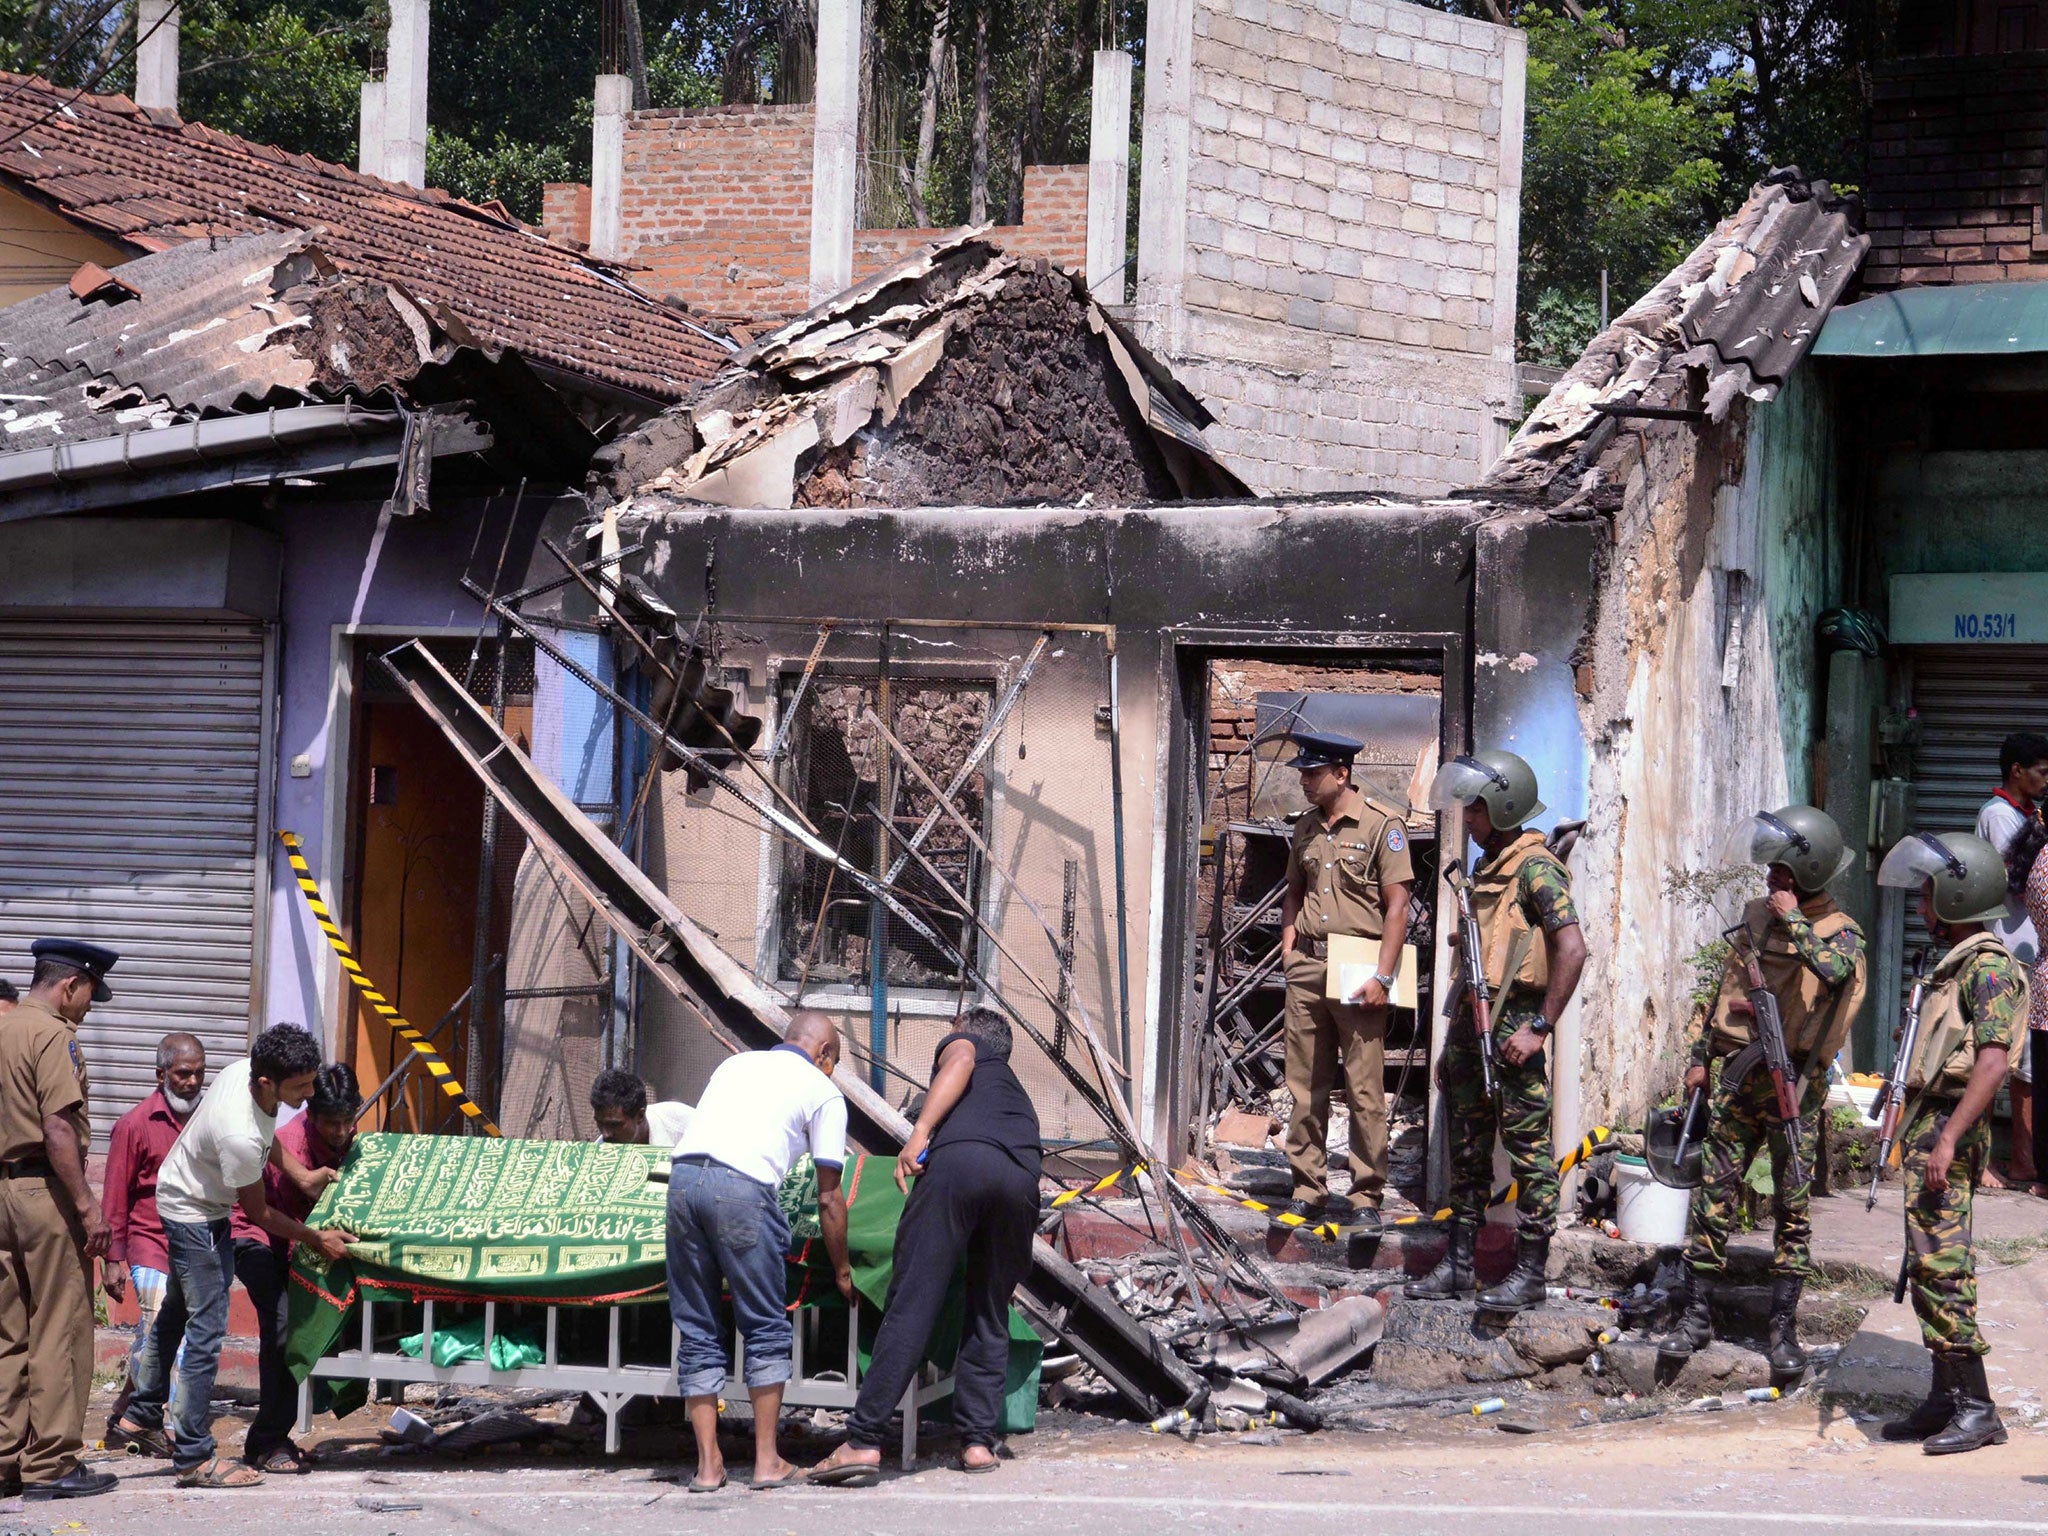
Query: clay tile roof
point(152, 182)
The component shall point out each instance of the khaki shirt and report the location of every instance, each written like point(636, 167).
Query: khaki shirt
point(1341, 870)
point(42, 1072)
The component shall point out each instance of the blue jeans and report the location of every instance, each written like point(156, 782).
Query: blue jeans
point(725, 1228)
point(196, 1307)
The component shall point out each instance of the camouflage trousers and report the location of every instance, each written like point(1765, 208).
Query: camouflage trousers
point(1941, 1269)
point(1523, 1120)
point(1745, 1117)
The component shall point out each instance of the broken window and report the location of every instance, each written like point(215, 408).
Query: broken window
point(862, 801)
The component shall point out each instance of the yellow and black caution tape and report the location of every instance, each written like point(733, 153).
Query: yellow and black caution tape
point(430, 1058)
point(1590, 1143)
point(1328, 1231)
point(1107, 1181)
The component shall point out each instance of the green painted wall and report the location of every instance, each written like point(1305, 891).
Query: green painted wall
point(1961, 512)
point(1792, 474)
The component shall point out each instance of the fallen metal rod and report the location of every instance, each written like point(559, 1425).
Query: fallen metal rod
point(796, 700)
point(973, 759)
point(1111, 1108)
point(732, 1005)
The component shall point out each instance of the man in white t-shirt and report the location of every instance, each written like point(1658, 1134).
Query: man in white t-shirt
point(760, 1112)
point(618, 1103)
point(2023, 774)
point(217, 1163)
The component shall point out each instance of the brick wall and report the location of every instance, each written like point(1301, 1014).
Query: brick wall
point(565, 210)
point(1958, 150)
point(716, 210)
point(1346, 297)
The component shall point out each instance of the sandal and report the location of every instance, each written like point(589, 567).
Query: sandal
point(284, 1458)
point(139, 1442)
point(216, 1473)
point(846, 1474)
point(976, 1468)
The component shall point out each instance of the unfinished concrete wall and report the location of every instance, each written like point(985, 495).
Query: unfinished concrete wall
point(716, 211)
point(1699, 685)
point(1331, 266)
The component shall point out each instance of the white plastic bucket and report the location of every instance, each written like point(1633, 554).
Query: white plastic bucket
point(1648, 1212)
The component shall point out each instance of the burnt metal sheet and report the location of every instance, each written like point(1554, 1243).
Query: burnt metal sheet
point(742, 1014)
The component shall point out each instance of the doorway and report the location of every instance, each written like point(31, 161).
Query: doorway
point(1394, 706)
point(418, 886)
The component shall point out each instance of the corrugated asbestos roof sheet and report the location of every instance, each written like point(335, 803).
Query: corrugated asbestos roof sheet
point(1732, 320)
point(152, 182)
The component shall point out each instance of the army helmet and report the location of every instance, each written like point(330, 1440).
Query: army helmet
point(1501, 781)
point(1803, 838)
point(1968, 874)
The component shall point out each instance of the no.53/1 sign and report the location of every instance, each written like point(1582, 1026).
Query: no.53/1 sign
point(1971, 608)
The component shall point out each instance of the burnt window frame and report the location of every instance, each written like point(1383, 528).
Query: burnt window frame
point(782, 956)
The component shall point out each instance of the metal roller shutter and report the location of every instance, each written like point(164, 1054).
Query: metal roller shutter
point(1969, 698)
point(133, 822)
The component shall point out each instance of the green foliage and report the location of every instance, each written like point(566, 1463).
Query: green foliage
point(1619, 171)
point(1706, 963)
point(509, 171)
point(1556, 325)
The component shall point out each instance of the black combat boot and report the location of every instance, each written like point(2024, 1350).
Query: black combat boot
point(1525, 1285)
point(1976, 1422)
point(1787, 1358)
point(1695, 1330)
point(1452, 1276)
point(1934, 1413)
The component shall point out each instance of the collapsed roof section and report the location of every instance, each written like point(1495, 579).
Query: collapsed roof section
point(150, 182)
point(961, 376)
point(1729, 322)
point(264, 325)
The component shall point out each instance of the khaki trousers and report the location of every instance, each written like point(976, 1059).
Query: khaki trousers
point(45, 1330)
point(1322, 1036)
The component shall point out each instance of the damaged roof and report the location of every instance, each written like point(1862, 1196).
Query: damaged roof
point(960, 376)
point(151, 182)
point(1730, 322)
point(235, 327)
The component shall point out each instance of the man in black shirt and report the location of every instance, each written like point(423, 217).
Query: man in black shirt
point(974, 1154)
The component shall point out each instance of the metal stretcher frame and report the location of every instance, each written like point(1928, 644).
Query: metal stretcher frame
point(617, 1382)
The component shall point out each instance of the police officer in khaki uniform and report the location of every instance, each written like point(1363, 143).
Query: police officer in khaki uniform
point(51, 1228)
point(1348, 872)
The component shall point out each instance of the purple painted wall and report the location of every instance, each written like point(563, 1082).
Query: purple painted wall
point(336, 573)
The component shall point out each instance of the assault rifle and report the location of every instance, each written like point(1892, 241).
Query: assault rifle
point(1472, 980)
point(1891, 1101)
point(1769, 1047)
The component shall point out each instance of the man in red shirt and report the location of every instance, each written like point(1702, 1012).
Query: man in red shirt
point(320, 1138)
point(136, 1253)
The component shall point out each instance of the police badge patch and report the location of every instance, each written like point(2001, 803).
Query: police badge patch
point(77, 1058)
point(1395, 841)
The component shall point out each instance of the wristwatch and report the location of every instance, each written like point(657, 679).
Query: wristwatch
point(1386, 983)
point(1540, 1027)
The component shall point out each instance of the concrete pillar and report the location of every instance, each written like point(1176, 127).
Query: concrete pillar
point(370, 130)
point(608, 164)
point(1163, 187)
point(156, 54)
point(837, 114)
point(405, 94)
point(1109, 174)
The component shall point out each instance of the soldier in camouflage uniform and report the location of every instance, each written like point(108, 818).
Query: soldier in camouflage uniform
point(1533, 953)
point(1811, 954)
point(1970, 1019)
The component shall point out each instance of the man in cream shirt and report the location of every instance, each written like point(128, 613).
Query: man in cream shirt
point(218, 1163)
